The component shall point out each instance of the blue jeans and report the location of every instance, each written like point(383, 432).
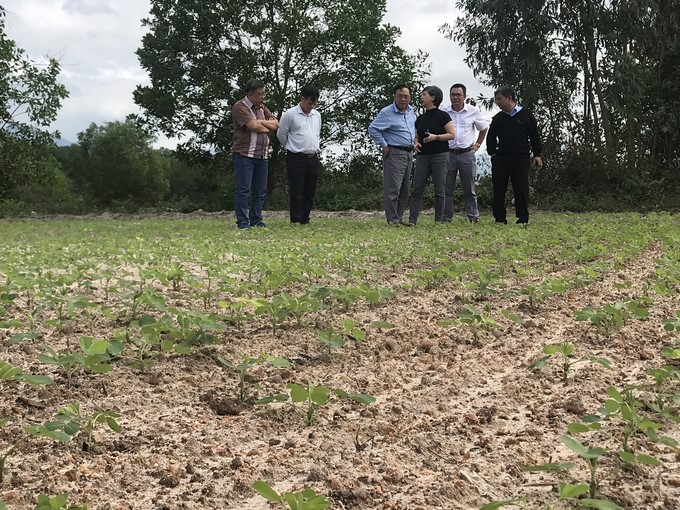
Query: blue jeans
point(251, 188)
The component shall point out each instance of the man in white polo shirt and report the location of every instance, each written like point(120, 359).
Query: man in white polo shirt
point(471, 128)
point(300, 132)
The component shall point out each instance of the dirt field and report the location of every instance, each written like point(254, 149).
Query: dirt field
point(454, 420)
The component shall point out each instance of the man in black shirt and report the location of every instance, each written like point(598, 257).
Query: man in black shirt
point(512, 136)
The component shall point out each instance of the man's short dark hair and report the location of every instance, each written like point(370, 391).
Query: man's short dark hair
point(459, 86)
point(506, 91)
point(436, 93)
point(310, 92)
point(402, 86)
point(254, 85)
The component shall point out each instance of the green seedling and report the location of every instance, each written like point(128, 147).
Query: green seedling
point(610, 317)
point(591, 456)
point(11, 373)
point(58, 502)
point(475, 319)
point(672, 324)
point(661, 377)
point(314, 396)
point(72, 420)
point(248, 362)
point(44, 430)
point(565, 349)
point(94, 356)
point(176, 274)
point(350, 330)
point(331, 338)
point(626, 406)
point(306, 499)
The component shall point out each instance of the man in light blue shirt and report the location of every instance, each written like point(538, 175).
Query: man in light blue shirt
point(393, 130)
point(299, 132)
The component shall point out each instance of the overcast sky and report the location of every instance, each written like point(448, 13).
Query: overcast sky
point(95, 41)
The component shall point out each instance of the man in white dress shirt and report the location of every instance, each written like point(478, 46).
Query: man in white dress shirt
point(471, 128)
point(299, 132)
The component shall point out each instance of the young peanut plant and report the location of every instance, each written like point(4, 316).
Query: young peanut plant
point(313, 397)
point(58, 502)
point(72, 420)
point(306, 499)
point(11, 373)
point(565, 349)
point(245, 365)
point(44, 430)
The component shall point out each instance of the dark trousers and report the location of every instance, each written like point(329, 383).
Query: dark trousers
point(303, 173)
point(517, 171)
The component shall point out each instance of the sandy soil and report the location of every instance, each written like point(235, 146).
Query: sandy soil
point(454, 421)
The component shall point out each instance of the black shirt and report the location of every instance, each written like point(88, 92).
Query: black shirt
point(433, 121)
point(513, 137)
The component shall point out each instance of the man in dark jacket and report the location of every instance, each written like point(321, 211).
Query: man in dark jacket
point(513, 136)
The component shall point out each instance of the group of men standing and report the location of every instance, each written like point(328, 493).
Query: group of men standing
point(445, 142)
point(511, 136)
point(298, 130)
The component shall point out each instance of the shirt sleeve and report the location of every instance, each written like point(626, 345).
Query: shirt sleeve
point(284, 128)
point(492, 139)
point(480, 122)
point(242, 114)
point(375, 130)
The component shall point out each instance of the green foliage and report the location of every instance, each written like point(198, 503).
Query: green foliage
point(58, 502)
point(72, 420)
point(11, 373)
point(565, 349)
point(306, 499)
point(313, 397)
point(30, 98)
point(118, 166)
point(246, 364)
point(190, 48)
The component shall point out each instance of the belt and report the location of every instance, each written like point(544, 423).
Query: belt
point(309, 155)
point(401, 148)
point(461, 151)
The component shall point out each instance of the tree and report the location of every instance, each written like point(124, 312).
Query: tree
point(602, 75)
point(200, 54)
point(30, 98)
point(117, 164)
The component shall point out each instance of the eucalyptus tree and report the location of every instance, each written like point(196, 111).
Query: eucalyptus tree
point(599, 73)
point(200, 54)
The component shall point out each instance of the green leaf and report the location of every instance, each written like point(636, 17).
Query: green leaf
point(297, 392)
point(265, 490)
point(511, 316)
point(320, 395)
point(493, 505)
point(113, 424)
point(36, 379)
point(648, 459)
point(578, 428)
point(568, 490)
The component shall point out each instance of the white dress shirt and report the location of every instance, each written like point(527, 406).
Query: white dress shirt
point(299, 131)
point(467, 122)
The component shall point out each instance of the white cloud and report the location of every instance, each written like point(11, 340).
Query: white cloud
point(95, 42)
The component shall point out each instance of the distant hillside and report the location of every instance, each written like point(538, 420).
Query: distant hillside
point(63, 142)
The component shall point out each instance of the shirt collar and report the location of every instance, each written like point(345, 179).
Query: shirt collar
point(409, 108)
point(250, 103)
point(515, 110)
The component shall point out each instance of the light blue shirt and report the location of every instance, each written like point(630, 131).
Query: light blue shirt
point(300, 132)
point(515, 110)
point(392, 127)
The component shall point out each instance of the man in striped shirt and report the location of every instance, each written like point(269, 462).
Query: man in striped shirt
point(250, 152)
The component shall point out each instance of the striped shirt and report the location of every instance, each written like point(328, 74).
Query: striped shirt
point(246, 142)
